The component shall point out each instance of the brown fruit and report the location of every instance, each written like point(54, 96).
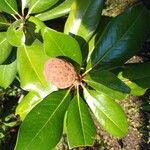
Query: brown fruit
point(60, 73)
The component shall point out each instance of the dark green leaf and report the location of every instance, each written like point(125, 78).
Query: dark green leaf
point(8, 74)
point(137, 77)
point(84, 18)
point(56, 12)
point(43, 126)
point(15, 34)
point(60, 44)
point(9, 6)
point(79, 124)
point(31, 60)
point(5, 47)
point(108, 83)
point(27, 104)
point(4, 24)
point(108, 113)
point(122, 38)
point(101, 27)
point(36, 6)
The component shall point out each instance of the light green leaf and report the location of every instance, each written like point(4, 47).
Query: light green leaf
point(84, 18)
point(36, 6)
point(109, 114)
point(27, 103)
point(15, 34)
point(122, 39)
point(137, 77)
point(7, 74)
point(9, 6)
point(31, 60)
point(43, 126)
point(79, 124)
point(56, 12)
point(106, 82)
point(60, 44)
point(5, 47)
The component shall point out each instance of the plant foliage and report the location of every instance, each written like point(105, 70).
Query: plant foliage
point(98, 54)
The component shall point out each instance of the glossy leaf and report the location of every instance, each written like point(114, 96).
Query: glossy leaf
point(108, 83)
point(5, 47)
point(79, 124)
point(36, 6)
point(7, 74)
point(43, 126)
point(31, 60)
point(27, 103)
point(60, 44)
point(109, 114)
point(84, 18)
point(137, 77)
point(56, 12)
point(101, 27)
point(9, 6)
point(15, 34)
point(122, 38)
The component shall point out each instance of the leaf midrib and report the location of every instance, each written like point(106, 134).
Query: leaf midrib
point(55, 111)
point(80, 113)
point(26, 52)
point(104, 113)
point(11, 7)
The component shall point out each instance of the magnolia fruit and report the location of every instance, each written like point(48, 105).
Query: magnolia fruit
point(60, 73)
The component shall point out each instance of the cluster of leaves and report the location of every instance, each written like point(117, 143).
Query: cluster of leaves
point(96, 45)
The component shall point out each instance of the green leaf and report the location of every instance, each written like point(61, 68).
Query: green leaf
point(8, 74)
point(15, 34)
point(101, 27)
point(137, 77)
point(39, 24)
point(5, 47)
point(60, 44)
point(109, 114)
point(31, 60)
point(122, 38)
point(84, 18)
point(27, 104)
point(36, 6)
point(79, 124)
point(56, 12)
point(106, 82)
point(43, 126)
point(4, 24)
point(9, 6)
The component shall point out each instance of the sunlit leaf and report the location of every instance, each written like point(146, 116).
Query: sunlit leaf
point(108, 83)
point(36, 6)
point(56, 12)
point(5, 47)
point(31, 60)
point(27, 103)
point(79, 124)
point(109, 114)
point(7, 74)
point(56, 44)
point(15, 34)
point(9, 6)
point(43, 126)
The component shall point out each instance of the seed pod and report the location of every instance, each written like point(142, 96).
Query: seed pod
point(60, 73)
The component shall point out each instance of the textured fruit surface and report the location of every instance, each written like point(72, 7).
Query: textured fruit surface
point(60, 73)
